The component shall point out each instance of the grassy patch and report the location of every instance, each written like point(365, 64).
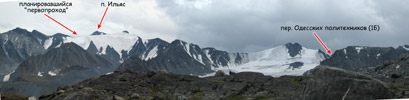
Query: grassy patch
point(197, 96)
point(260, 98)
point(236, 98)
point(296, 82)
point(399, 85)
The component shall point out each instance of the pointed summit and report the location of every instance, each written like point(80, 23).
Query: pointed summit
point(98, 33)
point(92, 48)
point(20, 30)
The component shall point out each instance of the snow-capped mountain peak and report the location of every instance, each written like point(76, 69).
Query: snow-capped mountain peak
point(119, 41)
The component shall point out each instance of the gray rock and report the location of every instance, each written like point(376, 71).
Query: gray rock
point(116, 97)
point(32, 98)
point(219, 73)
point(326, 83)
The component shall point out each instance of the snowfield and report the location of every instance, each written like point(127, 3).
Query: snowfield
point(276, 62)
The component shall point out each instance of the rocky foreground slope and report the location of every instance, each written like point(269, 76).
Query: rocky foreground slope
point(395, 73)
point(323, 83)
point(162, 85)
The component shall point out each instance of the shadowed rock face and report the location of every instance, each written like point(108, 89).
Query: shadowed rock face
point(57, 62)
point(325, 83)
point(293, 49)
point(162, 85)
point(92, 48)
point(16, 45)
point(357, 57)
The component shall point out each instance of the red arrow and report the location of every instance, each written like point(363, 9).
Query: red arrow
point(322, 43)
point(73, 32)
point(99, 25)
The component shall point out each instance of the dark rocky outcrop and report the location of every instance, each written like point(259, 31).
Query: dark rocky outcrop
point(112, 56)
point(138, 49)
point(391, 69)
point(395, 73)
point(295, 65)
point(329, 83)
point(98, 33)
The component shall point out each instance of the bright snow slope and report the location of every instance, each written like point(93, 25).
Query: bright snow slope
point(276, 62)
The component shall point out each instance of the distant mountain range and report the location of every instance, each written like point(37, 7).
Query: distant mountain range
point(180, 55)
point(36, 64)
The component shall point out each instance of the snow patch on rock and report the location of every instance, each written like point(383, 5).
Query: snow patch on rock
point(48, 43)
point(7, 77)
point(40, 74)
point(358, 49)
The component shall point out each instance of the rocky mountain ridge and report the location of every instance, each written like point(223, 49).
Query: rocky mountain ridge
point(361, 57)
